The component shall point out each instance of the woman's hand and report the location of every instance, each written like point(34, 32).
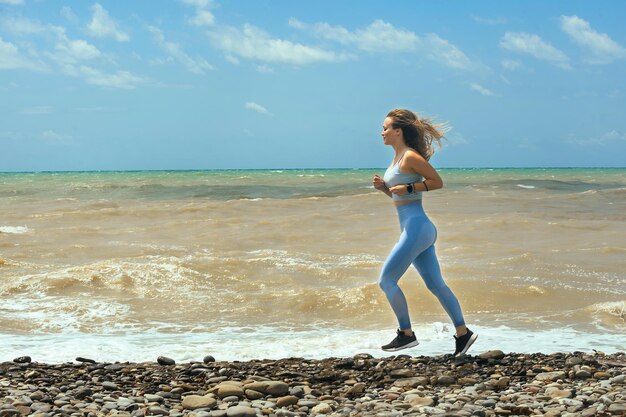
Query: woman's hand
point(399, 189)
point(379, 184)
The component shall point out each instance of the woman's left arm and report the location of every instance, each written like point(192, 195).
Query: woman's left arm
point(417, 163)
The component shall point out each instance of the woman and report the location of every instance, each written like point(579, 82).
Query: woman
point(409, 175)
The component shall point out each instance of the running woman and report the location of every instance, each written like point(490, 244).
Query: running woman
point(405, 180)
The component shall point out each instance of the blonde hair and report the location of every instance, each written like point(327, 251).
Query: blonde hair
point(419, 133)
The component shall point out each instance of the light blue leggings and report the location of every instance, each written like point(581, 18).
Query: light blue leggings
point(416, 246)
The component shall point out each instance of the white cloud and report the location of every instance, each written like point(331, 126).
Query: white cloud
point(120, 79)
point(531, 44)
point(203, 18)
point(197, 3)
point(489, 20)
point(264, 69)
point(72, 51)
point(482, 90)
point(506, 80)
point(21, 26)
point(11, 58)
point(196, 66)
point(14, 2)
point(37, 110)
point(103, 26)
point(66, 50)
point(69, 14)
point(510, 64)
point(52, 136)
point(608, 138)
point(256, 44)
point(381, 36)
point(441, 50)
point(68, 54)
point(232, 60)
point(601, 47)
point(257, 108)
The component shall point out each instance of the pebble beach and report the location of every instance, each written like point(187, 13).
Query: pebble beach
point(489, 384)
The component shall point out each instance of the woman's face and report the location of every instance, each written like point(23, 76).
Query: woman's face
point(389, 134)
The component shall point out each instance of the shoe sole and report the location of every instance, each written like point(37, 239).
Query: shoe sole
point(469, 344)
point(408, 345)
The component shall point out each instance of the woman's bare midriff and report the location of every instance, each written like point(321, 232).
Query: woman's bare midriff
point(401, 203)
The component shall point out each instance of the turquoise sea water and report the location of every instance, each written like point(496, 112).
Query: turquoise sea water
point(131, 265)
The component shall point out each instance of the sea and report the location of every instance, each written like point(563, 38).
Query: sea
point(268, 264)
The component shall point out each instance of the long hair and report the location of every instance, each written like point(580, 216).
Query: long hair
point(419, 133)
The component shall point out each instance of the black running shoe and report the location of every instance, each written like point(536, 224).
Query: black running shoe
point(464, 342)
point(401, 341)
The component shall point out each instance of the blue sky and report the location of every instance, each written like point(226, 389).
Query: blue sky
point(208, 84)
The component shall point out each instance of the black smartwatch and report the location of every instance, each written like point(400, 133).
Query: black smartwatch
point(409, 188)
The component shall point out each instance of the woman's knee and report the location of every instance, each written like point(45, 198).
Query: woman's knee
point(437, 288)
point(386, 284)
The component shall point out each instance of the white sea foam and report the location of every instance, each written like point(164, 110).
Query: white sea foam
point(529, 187)
point(274, 343)
point(16, 230)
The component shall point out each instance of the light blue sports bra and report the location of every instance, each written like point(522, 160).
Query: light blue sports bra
point(393, 176)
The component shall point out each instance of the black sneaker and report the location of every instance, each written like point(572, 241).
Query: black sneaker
point(401, 341)
point(464, 342)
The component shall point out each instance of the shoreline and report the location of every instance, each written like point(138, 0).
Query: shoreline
point(491, 383)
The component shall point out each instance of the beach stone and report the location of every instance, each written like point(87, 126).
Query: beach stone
point(467, 381)
point(618, 408)
point(276, 388)
point(22, 359)
point(192, 402)
point(561, 393)
point(401, 373)
point(43, 407)
point(446, 380)
point(231, 399)
point(412, 382)
point(620, 379)
point(227, 390)
point(240, 411)
point(85, 360)
point(252, 394)
point(583, 374)
point(601, 375)
point(550, 376)
point(356, 389)
point(286, 401)
point(158, 411)
point(573, 360)
point(503, 382)
point(108, 385)
point(321, 408)
point(431, 411)
point(153, 398)
point(164, 360)
point(214, 413)
point(492, 354)
point(208, 359)
point(417, 401)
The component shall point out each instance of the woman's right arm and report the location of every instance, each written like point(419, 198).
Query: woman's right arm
point(379, 184)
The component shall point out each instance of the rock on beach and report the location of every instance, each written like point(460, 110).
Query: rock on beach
point(489, 384)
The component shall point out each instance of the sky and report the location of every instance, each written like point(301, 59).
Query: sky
point(210, 84)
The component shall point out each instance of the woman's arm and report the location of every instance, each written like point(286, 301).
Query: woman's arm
point(379, 184)
point(414, 162)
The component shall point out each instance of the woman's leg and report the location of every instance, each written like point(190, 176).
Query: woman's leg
point(415, 238)
point(427, 265)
